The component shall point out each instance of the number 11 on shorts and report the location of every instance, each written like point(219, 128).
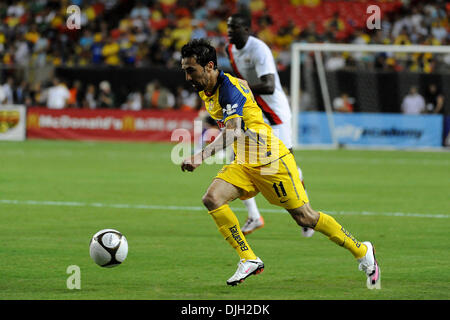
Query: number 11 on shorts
point(283, 191)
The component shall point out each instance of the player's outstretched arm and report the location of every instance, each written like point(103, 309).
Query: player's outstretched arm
point(231, 132)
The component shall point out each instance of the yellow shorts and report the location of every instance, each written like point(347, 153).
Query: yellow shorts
point(279, 182)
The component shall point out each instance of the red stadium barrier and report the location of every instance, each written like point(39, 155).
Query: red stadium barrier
point(81, 124)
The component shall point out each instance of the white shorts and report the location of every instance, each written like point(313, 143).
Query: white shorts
point(283, 132)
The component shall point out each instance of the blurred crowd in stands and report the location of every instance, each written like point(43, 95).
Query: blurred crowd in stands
point(60, 94)
point(150, 33)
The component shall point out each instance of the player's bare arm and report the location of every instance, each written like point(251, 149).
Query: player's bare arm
point(265, 86)
point(231, 132)
point(439, 104)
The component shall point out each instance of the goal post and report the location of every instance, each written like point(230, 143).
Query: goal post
point(319, 49)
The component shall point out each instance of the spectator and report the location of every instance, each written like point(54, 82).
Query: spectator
point(86, 39)
point(22, 52)
point(186, 100)
point(309, 34)
point(413, 103)
point(57, 95)
point(401, 24)
point(140, 11)
point(335, 62)
point(40, 49)
point(8, 90)
point(402, 38)
point(105, 96)
point(16, 10)
point(419, 32)
point(223, 62)
point(344, 103)
point(21, 92)
point(265, 33)
point(110, 52)
point(2, 96)
point(434, 100)
point(158, 97)
point(416, 18)
point(75, 91)
point(35, 96)
point(439, 31)
point(133, 102)
point(90, 101)
point(97, 49)
point(199, 30)
point(336, 22)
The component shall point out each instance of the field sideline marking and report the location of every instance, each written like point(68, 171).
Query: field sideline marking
point(198, 208)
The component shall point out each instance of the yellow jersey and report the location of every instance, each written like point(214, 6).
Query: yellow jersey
point(231, 98)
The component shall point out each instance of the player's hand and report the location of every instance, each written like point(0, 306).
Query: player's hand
point(191, 163)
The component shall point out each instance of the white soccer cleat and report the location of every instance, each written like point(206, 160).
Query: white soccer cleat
point(252, 225)
point(307, 232)
point(246, 269)
point(370, 266)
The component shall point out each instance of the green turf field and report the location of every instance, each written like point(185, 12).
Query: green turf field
point(54, 195)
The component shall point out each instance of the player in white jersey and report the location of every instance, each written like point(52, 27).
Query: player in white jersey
point(252, 60)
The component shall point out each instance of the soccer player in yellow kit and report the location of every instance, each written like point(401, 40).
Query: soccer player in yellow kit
point(262, 164)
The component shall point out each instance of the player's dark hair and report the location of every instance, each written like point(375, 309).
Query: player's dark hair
point(243, 18)
point(202, 50)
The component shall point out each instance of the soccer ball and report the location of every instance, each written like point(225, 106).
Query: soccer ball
point(108, 248)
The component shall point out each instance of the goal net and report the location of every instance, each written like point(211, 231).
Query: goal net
point(357, 95)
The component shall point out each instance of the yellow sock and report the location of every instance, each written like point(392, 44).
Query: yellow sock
point(229, 227)
point(336, 233)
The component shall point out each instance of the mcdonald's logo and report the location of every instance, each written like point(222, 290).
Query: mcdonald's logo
point(33, 121)
point(128, 124)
